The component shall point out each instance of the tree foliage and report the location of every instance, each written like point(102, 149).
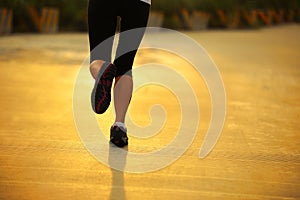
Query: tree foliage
point(73, 13)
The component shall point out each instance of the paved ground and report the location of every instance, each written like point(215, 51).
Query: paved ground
point(257, 156)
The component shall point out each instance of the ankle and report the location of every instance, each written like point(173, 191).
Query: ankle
point(120, 125)
point(95, 67)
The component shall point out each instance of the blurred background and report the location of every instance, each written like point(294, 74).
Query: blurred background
point(71, 15)
point(254, 43)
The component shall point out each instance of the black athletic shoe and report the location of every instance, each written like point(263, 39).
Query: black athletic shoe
point(118, 136)
point(101, 94)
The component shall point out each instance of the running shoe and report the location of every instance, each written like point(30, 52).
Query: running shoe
point(118, 136)
point(101, 94)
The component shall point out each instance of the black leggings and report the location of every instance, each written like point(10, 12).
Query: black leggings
point(102, 23)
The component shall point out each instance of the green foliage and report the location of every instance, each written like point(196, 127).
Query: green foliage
point(209, 5)
point(73, 13)
point(171, 7)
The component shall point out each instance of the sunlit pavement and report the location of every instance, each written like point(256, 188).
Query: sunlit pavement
point(256, 157)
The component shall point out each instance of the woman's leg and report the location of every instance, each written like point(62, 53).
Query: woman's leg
point(134, 15)
point(102, 20)
point(122, 96)
point(134, 18)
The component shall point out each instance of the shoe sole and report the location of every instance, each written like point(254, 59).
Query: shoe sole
point(101, 105)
